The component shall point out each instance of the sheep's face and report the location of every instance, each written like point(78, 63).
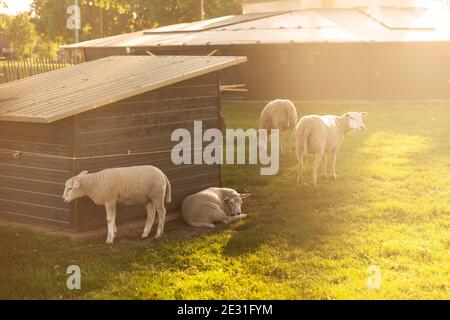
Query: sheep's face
point(355, 120)
point(234, 202)
point(72, 189)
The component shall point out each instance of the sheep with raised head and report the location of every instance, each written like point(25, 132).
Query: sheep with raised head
point(207, 207)
point(146, 185)
point(322, 134)
point(282, 115)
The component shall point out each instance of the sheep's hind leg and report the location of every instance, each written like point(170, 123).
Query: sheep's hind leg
point(333, 163)
point(111, 220)
point(290, 142)
point(159, 205)
point(324, 168)
point(282, 142)
point(150, 208)
point(316, 165)
point(300, 178)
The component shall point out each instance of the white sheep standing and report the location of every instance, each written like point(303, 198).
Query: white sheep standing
point(146, 185)
point(279, 114)
point(213, 205)
point(322, 134)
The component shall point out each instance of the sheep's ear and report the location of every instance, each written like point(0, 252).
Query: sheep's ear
point(226, 199)
point(245, 195)
point(364, 114)
point(76, 184)
point(84, 173)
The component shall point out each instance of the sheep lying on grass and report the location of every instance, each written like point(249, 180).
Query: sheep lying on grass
point(282, 115)
point(212, 205)
point(144, 185)
point(321, 134)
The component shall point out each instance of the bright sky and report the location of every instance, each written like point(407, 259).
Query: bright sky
point(16, 6)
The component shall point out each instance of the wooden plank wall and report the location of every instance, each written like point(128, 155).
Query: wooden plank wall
point(31, 186)
point(144, 124)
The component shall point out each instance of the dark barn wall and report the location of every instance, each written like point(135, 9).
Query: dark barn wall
point(329, 71)
point(144, 124)
point(31, 186)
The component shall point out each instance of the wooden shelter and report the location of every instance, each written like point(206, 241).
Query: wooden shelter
point(113, 112)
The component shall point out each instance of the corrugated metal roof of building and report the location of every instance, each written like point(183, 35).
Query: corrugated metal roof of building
point(209, 24)
point(310, 25)
point(59, 94)
point(403, 18)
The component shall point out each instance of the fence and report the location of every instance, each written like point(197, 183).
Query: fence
point(11, 70)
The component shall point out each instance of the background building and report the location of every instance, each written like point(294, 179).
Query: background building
point(313, 50)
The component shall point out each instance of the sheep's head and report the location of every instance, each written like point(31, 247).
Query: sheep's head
point(234, 202)
point(355, 120)
point(73, 189)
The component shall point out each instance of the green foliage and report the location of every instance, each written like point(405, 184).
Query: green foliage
point(51, 18)
point(100, 18)
point(46, 48)
point(109, 17)
point(5, 21)
point(390, 207)
point(22, 35)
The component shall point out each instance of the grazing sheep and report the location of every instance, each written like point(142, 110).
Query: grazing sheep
point(212, 205)
point(146, 185)
point(322, 134)
point(282, 115)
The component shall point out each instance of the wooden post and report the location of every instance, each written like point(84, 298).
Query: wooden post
point(101, 21)
point(202, 10)
point(77, 32)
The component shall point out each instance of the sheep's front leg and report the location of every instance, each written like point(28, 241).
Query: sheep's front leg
point(228, 219)
point(161, 217)
point(150, 208)
point(333, 162)
point(111, 220)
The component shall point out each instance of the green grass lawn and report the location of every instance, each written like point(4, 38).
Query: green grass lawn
point(390, 207)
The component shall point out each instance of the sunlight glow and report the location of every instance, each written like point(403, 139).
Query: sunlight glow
point(15, 6)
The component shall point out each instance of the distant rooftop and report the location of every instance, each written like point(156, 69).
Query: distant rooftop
point(260, 6)
point(362, 24)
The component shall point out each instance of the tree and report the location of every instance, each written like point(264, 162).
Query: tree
point(5, 21)
point(46, 48)
point(102, 18)
point(22, 35)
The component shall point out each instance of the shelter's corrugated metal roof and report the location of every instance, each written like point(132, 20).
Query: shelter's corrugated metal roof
point(312, 25)
point(59, 94)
